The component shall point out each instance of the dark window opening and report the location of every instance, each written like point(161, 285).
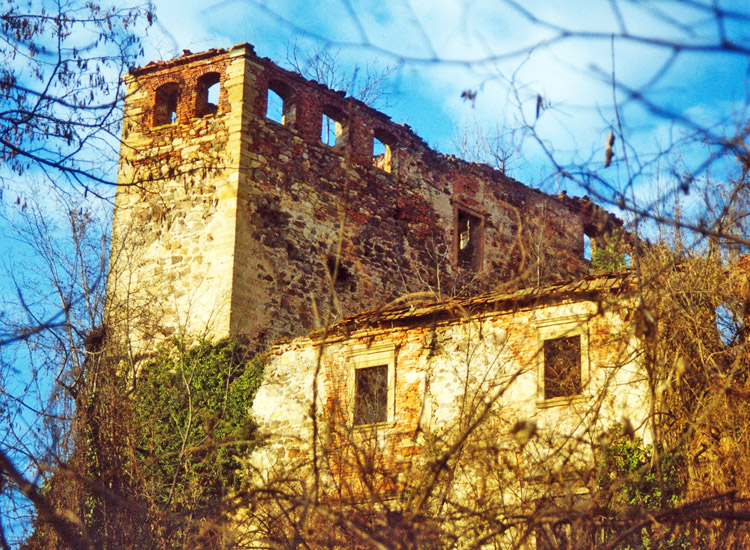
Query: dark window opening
point(332, 128)
point(279, 106)
point(562, 367)
point(468, 240)
point(165, 104)
point(340, 275)
point(371, 395)
point(207, 99)
point(382, 153)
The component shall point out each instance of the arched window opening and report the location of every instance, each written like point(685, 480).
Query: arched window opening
point(332, 131)
point(279, 106)
point(207, 98)
point(382, 152)
point(165, 104)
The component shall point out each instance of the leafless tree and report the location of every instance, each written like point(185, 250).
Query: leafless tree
point(368, 83)
point(686, 284)
point(689, 309)
point(60, 91)
point(60, 113)
point(56, 303)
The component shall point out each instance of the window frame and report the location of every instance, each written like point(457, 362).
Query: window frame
point(163, 96)
point(372, 356)
point(562, 327)
point(478, 255)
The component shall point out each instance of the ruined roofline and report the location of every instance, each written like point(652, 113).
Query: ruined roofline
point(415, 311)
point(267, 63)
point(256, 166)
point(186, 58)
point(600, 220)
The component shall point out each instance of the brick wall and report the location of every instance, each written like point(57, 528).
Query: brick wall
point(231, 222)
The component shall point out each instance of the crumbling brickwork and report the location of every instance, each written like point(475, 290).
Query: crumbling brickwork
point(234, 218)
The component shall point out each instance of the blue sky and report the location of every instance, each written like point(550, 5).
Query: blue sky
point(446, 46)
point(510, 57)
point(510, 54)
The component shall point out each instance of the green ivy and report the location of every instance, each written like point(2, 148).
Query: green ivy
point(608, 259)
point(630, 476)
point(192, 420)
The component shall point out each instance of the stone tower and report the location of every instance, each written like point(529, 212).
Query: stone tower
point(253, 201)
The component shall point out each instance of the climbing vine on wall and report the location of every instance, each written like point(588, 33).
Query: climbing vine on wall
point(192, 422)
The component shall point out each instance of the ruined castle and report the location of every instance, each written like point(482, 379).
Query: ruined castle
point(253, 201)
point(398, 294)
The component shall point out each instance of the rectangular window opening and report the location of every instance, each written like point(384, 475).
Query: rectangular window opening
point(371, 395)
point(212, 94)
point(275, 107)
point(331, 132)
point(165, 107)
point(468, 233)
point(381, 155)
point(207, 97)
point(562, 367)
point(280, 103)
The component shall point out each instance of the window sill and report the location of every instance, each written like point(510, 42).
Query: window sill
point(374, 426)
point(277, 123)
point(560, 401)
point(381, 171)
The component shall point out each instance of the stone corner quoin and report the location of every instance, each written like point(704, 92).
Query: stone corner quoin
point(253, 201)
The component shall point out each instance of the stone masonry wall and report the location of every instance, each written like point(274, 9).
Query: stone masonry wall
point(230, 222)
point(174, 230)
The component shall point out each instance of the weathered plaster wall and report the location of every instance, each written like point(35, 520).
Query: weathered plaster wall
point(445, 373)
point(231, 222)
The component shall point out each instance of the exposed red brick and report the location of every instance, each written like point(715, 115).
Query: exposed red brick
point(294, 195)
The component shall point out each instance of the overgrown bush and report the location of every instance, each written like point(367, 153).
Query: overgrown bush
point(191, 423)
point(635, 478)
point(609, 258)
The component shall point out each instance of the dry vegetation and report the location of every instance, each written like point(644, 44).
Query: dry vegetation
point(183, 479)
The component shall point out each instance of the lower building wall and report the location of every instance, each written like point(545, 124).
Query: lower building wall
point(466, 417)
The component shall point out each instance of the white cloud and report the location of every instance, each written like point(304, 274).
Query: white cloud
point(571, 75)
